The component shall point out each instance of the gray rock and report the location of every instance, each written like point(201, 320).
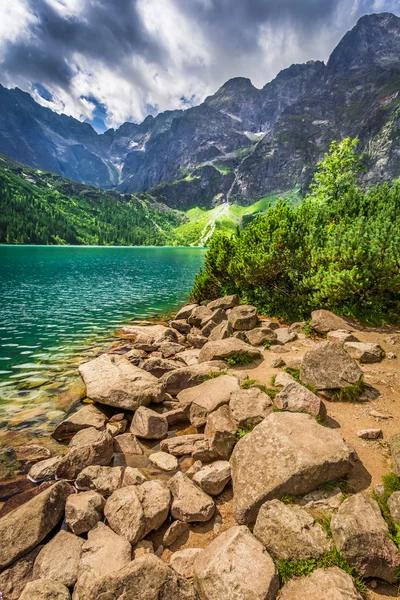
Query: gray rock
point(284, 335)
point(183, 561)
point(190, 503)
point(174, 531)
point(213, 478)
point(186, 311)
point(44, 469)
point(175, 415)
point(111, 379)
point(365, 353)
point(187, 377)
point(164, 461)
point(197, 340)
point(26, 526)
point(394, 506)
point(330, 584)
point(260, 335)
point(250, 407)
point(362, 536)
point(88, 447)
point(180, 325)
point(88, 416)
point(324, 321)
point(83, 511)
point(127, 443)
point(296, 398)
point(228, 348)
point(340, 337)
point(198, 315)
point(243, 317)
point(277, 363)
point(235, 565)
point(287, 453)
point(157, 366)
point(181, 445)
point(369, 434)
point(148, 424)
point(220, 432)
point(224, 303)
point(289, 533)
point(59, 559)
point(104, 480)
point(221, 332)
point(327, 366)
point(323, 501)
point(45, 589)
point(199, 401)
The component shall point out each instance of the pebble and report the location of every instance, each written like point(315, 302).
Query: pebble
point(369, 434)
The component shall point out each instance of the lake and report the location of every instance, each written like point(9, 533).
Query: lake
point(58, 302)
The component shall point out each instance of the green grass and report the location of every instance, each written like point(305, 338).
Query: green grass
point(213, 375)
point(391, 484)
point(351, 393)
point(286, 499)
point(239, 358)
point(340, 483)
point(242, 431)
point(250, 383)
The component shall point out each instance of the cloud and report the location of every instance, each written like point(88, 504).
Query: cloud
point(117, 59)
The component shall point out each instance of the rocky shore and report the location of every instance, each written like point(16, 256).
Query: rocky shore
point(223, 456)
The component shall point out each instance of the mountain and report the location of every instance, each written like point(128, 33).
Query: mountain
point(240, 144)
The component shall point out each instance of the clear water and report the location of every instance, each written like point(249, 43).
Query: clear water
point(55, 302)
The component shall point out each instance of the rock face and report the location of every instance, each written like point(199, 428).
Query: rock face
point(213, 478)
point(296, 398)
point(111, 379)
point(365, 353)
point(235, 565)
point(328, 367)
point(145, 577)
point(88, 416)
point(227, 348)
point(220, 432)
point(149, 424)
point(329, 584)
point(104, 480)
point(243, 318)
point(188, 377)
point(189, 503)
point(88, 447)
point(287, 453)
point(289, 533)
point(250, 407)
point(362, 536)
point(83, 511)
point(25, 527)
point(59, 559)
point(45, 589)
point(324, 321)
point(198, 402)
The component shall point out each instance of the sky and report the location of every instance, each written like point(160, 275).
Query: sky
point(111, 61)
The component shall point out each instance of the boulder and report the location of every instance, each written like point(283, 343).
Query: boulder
point(180, 325)
point(103, 553)
point(296, 398)
point(158, 366)
point(189, 503)
point(145, 578)
point(213, 478)
point(26, 526)
point(220, 432)
point(283, 379)
point(199, 401)
point(228, 348)
point(224, 303)
point(164, 461)
point(284, 335)
point(175, 415)
point(187, 377)
point(394, 507)
point(83, 511)
point(250, 407)
point(148, 424)
point(340, 337)
point(365, 353)
point(88, 447)
point(155, 498)
point(181, 445)
point(168, 349)
point(324, 501)
point(44, 469)
point(174, 531)
point(133, 476)
point(189, 357)
point(16, 576)
point(203, 452)
point(31, 453)
point(221, 332)
point(327, 367)
point(197, 340)
point(243, 317)
point(198, 315)
point(111, 379)
point(394, 443)
point(59, 559)
point(324, 321)
point(289, 533)
point(182, 561)
point(186, 311)
point(167, 335)
point(287, 453)
point(261, 335)
point(216, 317)
point(88, 416)
point(330, 584)
point(235, 565)
point(45, 589)
point(362, 536)
point(127, 443)
point(104, 480)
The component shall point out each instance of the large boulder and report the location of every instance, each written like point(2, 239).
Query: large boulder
point(261, 335)
point(111, 379)
point(187, 377)
point(250, 407)
point(243, 317)
point(289, 533)
point(326, 584)
point(45, 589)
point(235, 566)
point(189, 503)
point(88, 416)
point(182, 561)
point(221, 332)
point(324, 321)
point(213, 478)
point(287, 453)
point(228, 348)
point(224, 303)
point(362, 536)
point(88, 447)
point(365, 353)
point(83, 511)
point(297, 398)
point(220, 432)
point(16, 576)
point(26, 526)
point(104, 480)
point(186, 311)
point(145, 578)
point(59, 559)
point(148, 424)
point(328, 367)
point(198, 402)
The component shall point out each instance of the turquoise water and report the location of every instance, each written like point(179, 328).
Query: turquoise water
point(55, 301)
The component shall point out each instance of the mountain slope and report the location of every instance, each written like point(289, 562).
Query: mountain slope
point(240, 144)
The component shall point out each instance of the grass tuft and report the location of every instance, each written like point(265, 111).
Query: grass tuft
point(239, 358)
point(250, 383)
point(213, 375)
point(286, 499)
point(242, 431)
point(351, 393)
point(340, 483)
point(391, 484)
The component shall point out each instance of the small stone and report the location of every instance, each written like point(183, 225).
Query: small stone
point(182, 561)
point(365, 353)
point(127, 443)
point(104, 480)
point(379, 414)
point(369, 434)
point(220, 432)
point(141, 548)
point(44, 469)
point(194, 468)
point(213, 478)
point(148, 424)
point(83, 511)
point(277, 349)
point(189, 502)
point(164, 461)
point(174, 531)
point(283, 379)
point(133, 476)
